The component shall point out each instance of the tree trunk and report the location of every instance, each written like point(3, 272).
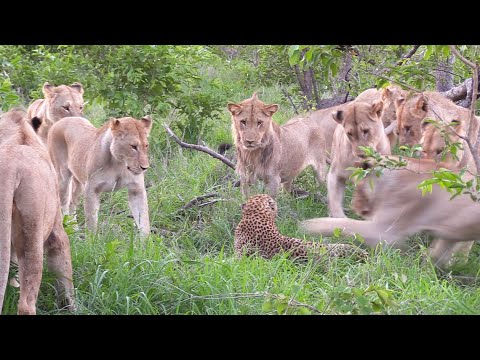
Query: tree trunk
point(444, 74)
point(315, 88)
point(301, 82)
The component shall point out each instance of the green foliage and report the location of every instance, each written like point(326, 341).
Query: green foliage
point(372, 300)
point(187, 265)
point(8, 97)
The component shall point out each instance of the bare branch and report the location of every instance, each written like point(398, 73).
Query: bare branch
point(408, 55)
point(287, 95)
point(461, 57)
point(205, 149)
point(473, 106)
point(196, 200)
point(210, 202)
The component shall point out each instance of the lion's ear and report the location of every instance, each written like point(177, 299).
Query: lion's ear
point(399, 101)
point(269, 110)
point(386, 93)
point(234, 109)
point(147, 122)
point(338, 116)
point(422, 104)
point(114, 124)
point(78, 87)
point(377, 108)
point(48, 90)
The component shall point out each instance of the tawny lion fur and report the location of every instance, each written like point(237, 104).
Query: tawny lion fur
point(30, 218)
point(59, 102)
point(396, 212)
point(106, 159)
point(275, 154)
point(360, 124)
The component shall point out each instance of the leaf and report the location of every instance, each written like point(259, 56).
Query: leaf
point(294, 59)
point(384, 296)
point(429, 52)
point(304, 311)
point(267, 306)
point(337, 232)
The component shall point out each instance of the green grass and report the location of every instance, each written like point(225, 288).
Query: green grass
point(187, 265)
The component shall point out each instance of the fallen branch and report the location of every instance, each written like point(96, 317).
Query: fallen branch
point(210, 202)
point(196, 200)
point(205, 149)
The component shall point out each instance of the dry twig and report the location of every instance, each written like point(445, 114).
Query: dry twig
point(205, 149)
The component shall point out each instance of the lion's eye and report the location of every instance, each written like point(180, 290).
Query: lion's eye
point(259, 123)
point(81, 108)
point(146, 146)
point(243, 122)
point(349, 134)
point(134, 147)
point(66, 108)
point(365, 131)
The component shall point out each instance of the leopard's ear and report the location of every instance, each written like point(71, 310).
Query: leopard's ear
point(243, 205)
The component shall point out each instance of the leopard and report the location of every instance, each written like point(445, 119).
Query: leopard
point(257, 233)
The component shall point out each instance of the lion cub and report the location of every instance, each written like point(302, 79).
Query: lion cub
point(106, 159)
point(360, 124)
point(275, 154)
point(30, 218)
point(59, 102)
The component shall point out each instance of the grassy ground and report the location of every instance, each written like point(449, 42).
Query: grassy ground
point(187, 265)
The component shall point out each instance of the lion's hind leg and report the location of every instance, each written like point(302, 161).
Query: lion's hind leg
point(59, 262)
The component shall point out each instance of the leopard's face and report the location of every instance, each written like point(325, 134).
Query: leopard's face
point(261, 204)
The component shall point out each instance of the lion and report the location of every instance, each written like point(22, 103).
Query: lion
point(59, 102)
point(275, 154)
point(396, 212)
point(388, 96)
point(112, 157)
point(413, 108)
point(452, 123)
point(360, 124)
point(30, 218)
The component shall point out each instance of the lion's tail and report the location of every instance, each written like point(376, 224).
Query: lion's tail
point(6, 206)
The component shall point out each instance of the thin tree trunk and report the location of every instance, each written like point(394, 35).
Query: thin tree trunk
point(301, 82)
point(444, 74)
point(315, 88)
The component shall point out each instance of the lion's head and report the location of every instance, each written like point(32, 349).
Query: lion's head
point(437, 134)
point(362, 124)
point(251, 120)
point(63, 100)
point(411, 110)
point(130, 143)
point(389, 96)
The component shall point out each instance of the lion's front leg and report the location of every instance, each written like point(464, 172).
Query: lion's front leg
point(245, 182)
point(272, 183)
point(92, 204)
point(372, 232)
point(335, 189)
point(137, 200)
